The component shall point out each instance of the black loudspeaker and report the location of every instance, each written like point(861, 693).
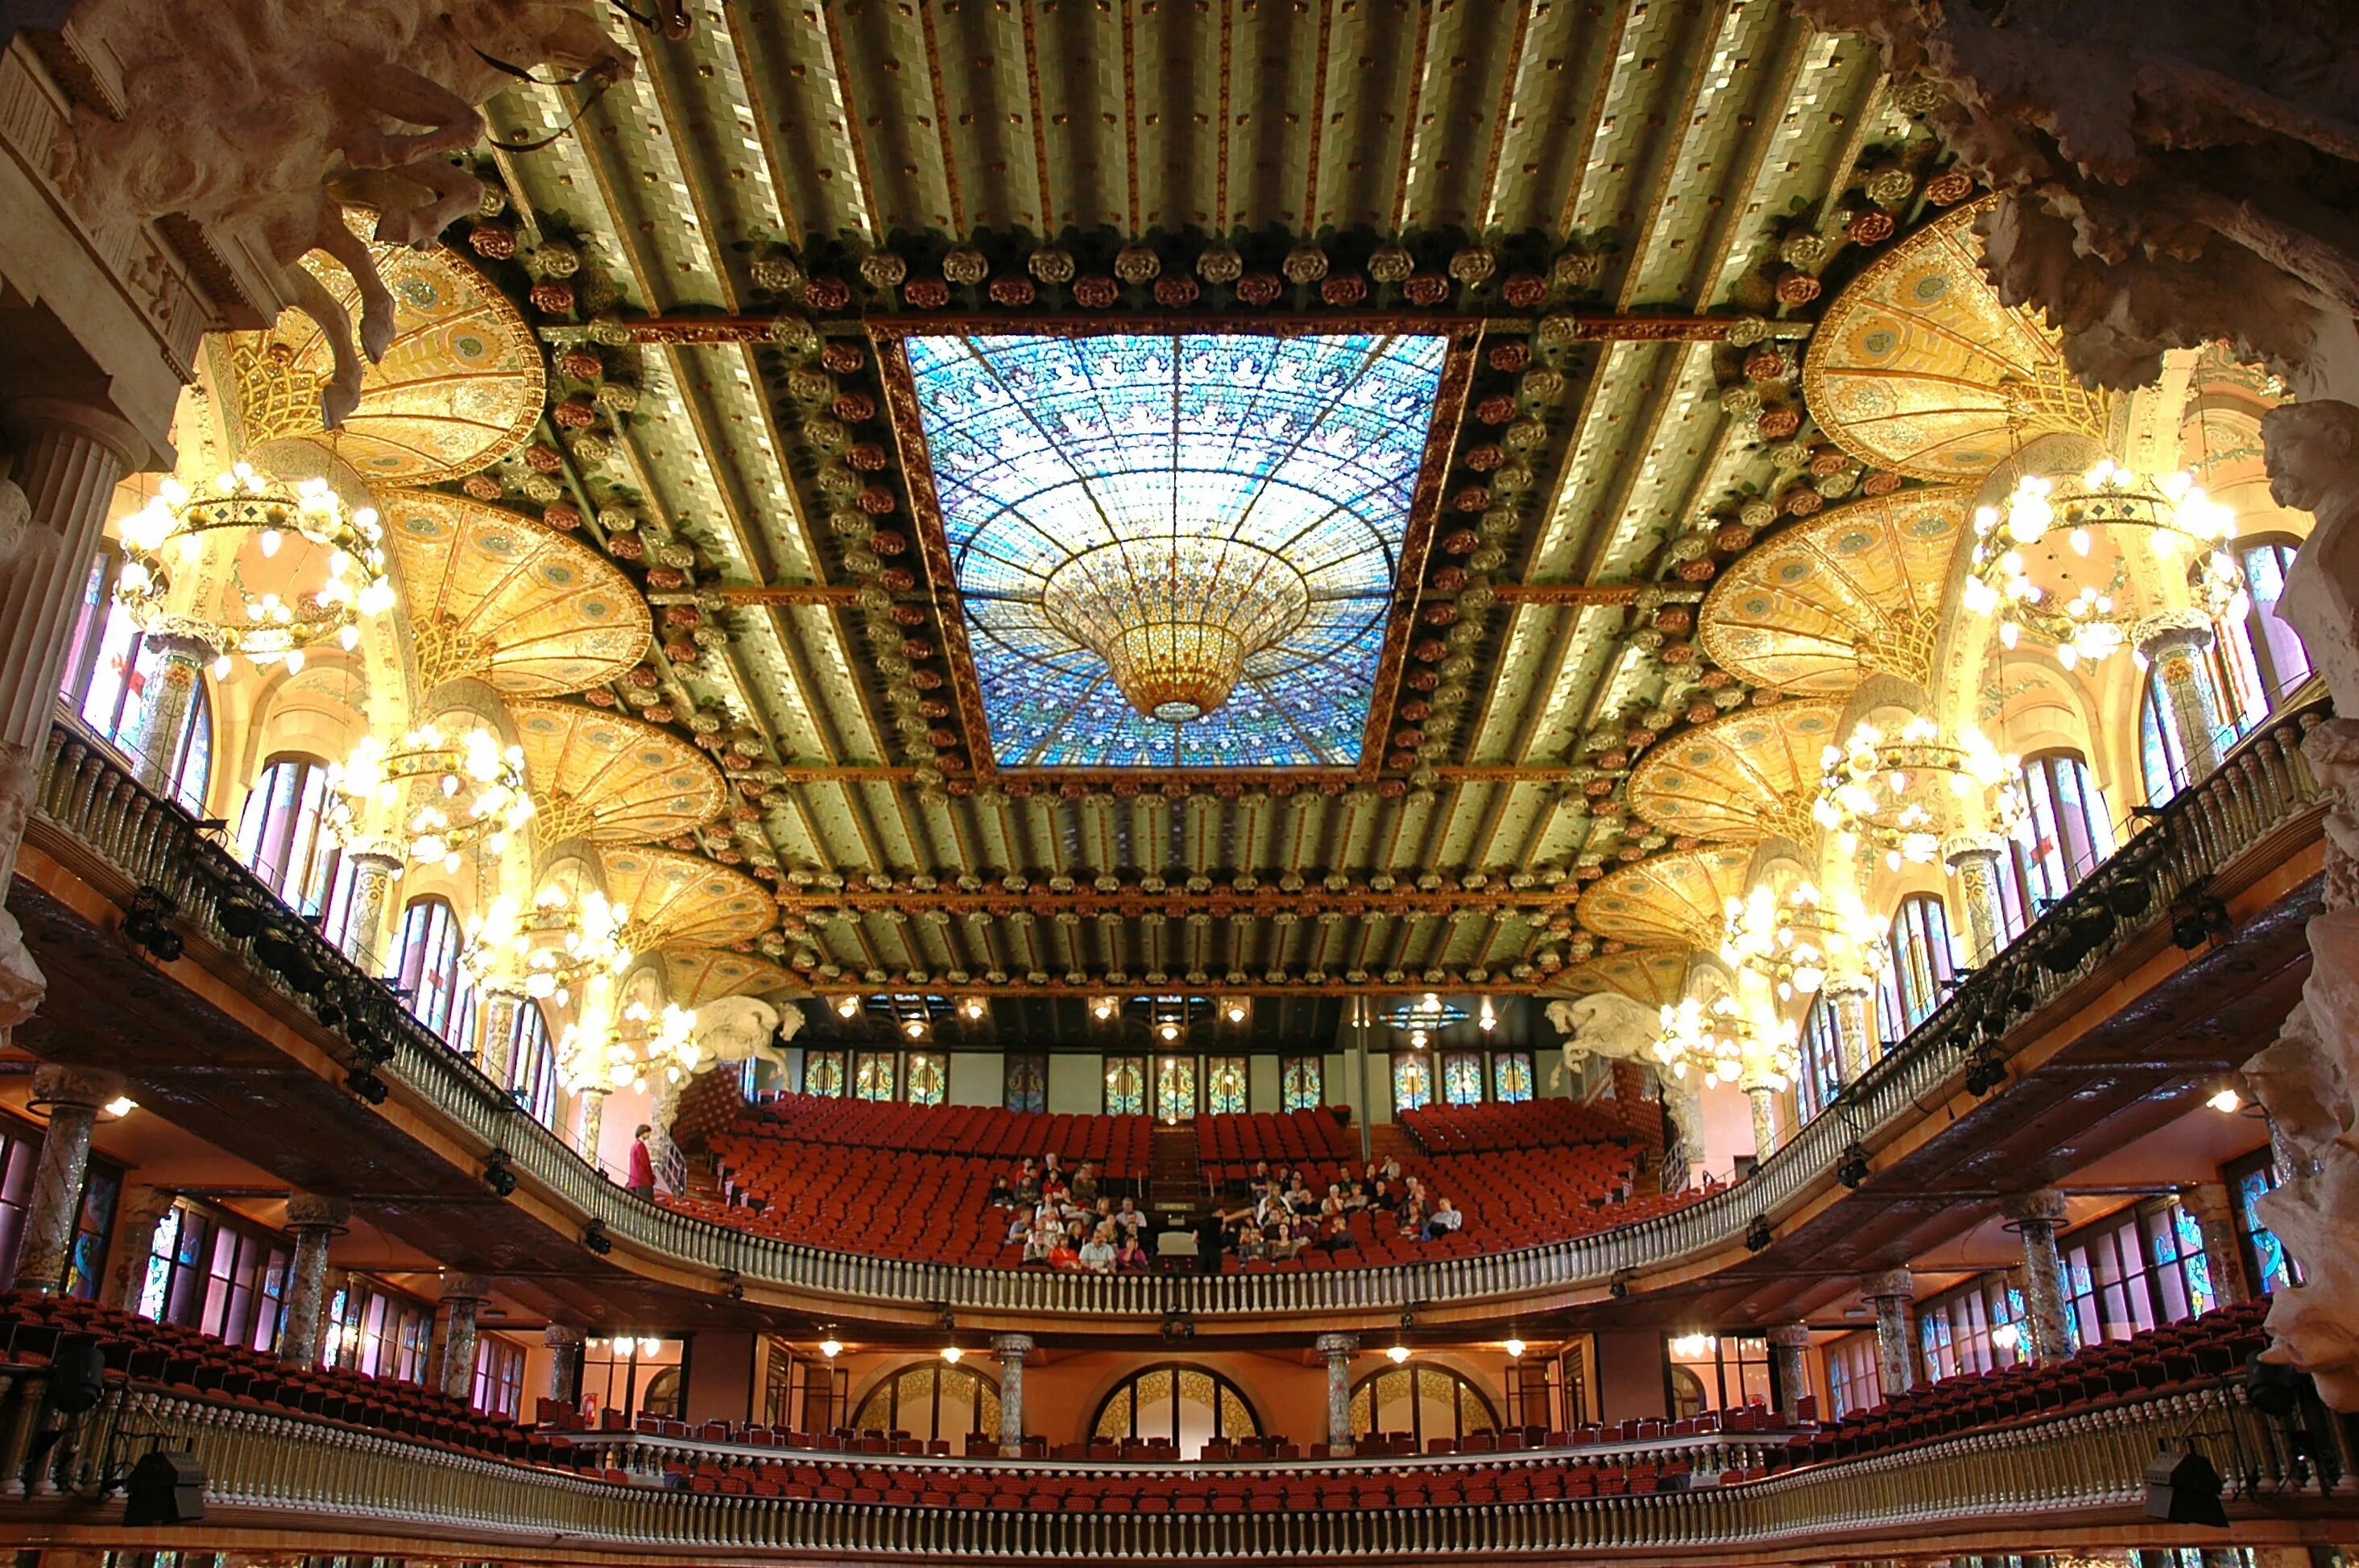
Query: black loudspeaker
point(77, 1374)
point(165, 1487)
point(2181, 1487)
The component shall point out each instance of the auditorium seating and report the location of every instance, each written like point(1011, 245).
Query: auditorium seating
point(1529, 1123)
point(1119, 1146)
point(1228, 1147)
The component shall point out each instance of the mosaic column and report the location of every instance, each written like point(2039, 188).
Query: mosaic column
point(374, 872)
point(2034, 1216)
point(314, 1220)
point(1764, 1097)
point(72, 1096)
point(1789, 1345)
point(463, 1296)
point(499, 1033)
point(1892, 1294)
point(1012, 1350)
point(564, 1342)
point(1973, 858)
point(1339, 1349)
point(593, 1120)
point(2172, 640)
point(1854, 1036)
point(157, 740)
point(136, 1219)
point(2215, 1209)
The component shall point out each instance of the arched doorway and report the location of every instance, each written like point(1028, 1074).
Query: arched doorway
point(1420, 1402)
point(1184, 1404)
point(928, 1400)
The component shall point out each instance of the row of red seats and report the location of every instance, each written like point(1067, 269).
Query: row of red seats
point(1228, 1147)
point(1527, 1124)
point(1119, 1146)
point(2172, 1356)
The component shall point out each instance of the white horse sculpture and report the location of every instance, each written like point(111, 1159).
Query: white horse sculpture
point(1618, 1028)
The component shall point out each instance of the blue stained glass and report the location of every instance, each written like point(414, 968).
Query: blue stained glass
point(1303, 1088)
point(1462, 1080)
point(1045, 447)
point(1412, 1086)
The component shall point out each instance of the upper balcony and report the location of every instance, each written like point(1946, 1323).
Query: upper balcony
point(2143, 982)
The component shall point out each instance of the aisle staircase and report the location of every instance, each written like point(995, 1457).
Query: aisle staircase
point(1175, 1188)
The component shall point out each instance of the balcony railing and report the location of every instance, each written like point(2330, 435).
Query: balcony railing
point(290, 1472)
point(2265, 786)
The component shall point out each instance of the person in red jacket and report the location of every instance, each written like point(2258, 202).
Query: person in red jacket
point(643, 1164)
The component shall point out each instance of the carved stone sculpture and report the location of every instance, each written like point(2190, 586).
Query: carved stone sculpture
point(260, 121)
point(1617, 1028)
point(734, 1028)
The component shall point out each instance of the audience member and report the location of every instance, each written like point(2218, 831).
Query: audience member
point(1097, 1254)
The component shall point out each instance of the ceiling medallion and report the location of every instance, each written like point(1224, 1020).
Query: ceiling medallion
point(1176, 615)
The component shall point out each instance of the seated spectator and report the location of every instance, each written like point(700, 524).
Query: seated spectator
point(1027, 1182)
point(1128, 1218)
point(1019, 1226)
point(1003, 1196)
point(1097, 1254)
point(1335, 1233)
point(1391, 1170)
point(1356, 1197)
point(1085, 1183)
point(1050, 1167)
point(1052, 1186)
point(1251, 1248)
point(1332, 1205)
point(1382, 1197)
point(1063, 1256)
point(1040, 1246)
point(1443, 1220)
point(1260, 1183)
point(1129, 1257)
point(1412, 1212)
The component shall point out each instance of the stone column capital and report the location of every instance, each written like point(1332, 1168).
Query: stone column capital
point(1959, 848)
point(1010, 1348)
point(317, 1211)
point(1841, 987)
point(1335, 1347)
point(2172, 631)
point(1791, 1336)
point(466, 1287)
point(2045, 1207)
point(377, 855)
point(57, 1085)
point(179, 648)
point(1895, 1284)
point(102, 427)
point(562, 1337)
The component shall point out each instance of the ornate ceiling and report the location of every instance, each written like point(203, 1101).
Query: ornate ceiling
point(1618, 223)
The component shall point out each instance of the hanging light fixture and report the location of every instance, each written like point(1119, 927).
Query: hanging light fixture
point(1799, 941)
point(1176, 614)
point(638, 1047)
point(545, 949)
point(1722, 1040)
point(2055, 562)
point(437, 793)
point(847, 1007)
point(1423, 1019)
point(1904, 793)
point(172, 528)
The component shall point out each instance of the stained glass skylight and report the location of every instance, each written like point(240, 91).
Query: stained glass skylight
point(1176, 550)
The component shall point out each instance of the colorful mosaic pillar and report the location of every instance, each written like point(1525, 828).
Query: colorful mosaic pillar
point(1789, 1361)
point(1763, 1098)
point(593, 1120)
point(1339, 1349)
point(71, 1095)
point(564, 1342)
point(142, 1209)
point(1848, 996)
point(463, 1296)
point(1892, 1295)
point(2034, 1216)
point(2171, 642)
point(1012, 1350)
point(315, 1220)
point(373, 871)
point(499, 1033)
point(156, 744)
point(1973, 858)
point(2214, 1208)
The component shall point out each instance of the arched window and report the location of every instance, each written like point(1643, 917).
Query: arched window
point(1412, 1082)
point(283, 839)
point(927, 1081)
point(2072, 832)
point(532, 1063)
point(1185, 1405)
point(1511, 1077)
point(1461, 1078)
point(1225, 1085)
point(1125, 1085)
point(1921, 970)
point(1420, 1402)
point(426, 966)
point(111, 675)
point(1301, 1083)
point(1822, 1072)
point(2278, 662)
point(928, 1400)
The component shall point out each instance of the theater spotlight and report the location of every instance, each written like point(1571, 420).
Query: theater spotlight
point(167, 1486)
point(1758, 1235)
point(595, 1237)
point(1853, 1168)
point(240, 916)
point(147, 923)
point(364, 1082)
point(1983, 1074)
point(2181, 1487)
point(496, 1174)
point(2194, 922)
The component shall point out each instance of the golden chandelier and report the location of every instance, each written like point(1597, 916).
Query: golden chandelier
point(1176, 615)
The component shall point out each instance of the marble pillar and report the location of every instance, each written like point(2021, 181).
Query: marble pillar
point(463, 1296)
point(1764, 1100)
point(135, 1218)
point(1891, 1295)
point(2172, 641)
point(72, 1096)
point(1973, 858)
point(1855, 1032)
point(594, 1121)
point(66, 460)
point(373, 873)
point(1339, 1349)
point(564, 1342)
point(1012, 1351)
point(2035, 1218)
point(1790, 1360)
point(314, 1220)
point(2214, 1208)
point(499, 1033)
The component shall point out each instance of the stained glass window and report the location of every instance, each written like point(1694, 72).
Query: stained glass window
point(1125, 1085)
point(1175, 1087)
point(1301, 1083)
point(1412, 1083)
point(1511, 1076)
point(1462, 1079)
point(2272, 1269)
point(1225, 1085)
point(926, 1082)
point(1264, 472)
point(823, 1074)
point(1027, 1083)
point(873, 1075)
